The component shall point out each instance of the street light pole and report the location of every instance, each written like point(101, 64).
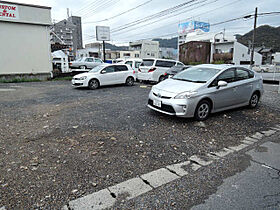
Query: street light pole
point(254, 37)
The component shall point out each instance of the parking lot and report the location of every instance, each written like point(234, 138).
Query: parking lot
point(58, 143)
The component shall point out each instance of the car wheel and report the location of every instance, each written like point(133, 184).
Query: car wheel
point(202, 111)
point(129, 81)
point(161, 78)
point(254, 101)
point(83, 67)
point(93, 84)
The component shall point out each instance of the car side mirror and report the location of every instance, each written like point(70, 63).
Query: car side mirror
point(103, 71)
point(222, 84)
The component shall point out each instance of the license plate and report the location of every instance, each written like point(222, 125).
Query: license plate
point(157, 103)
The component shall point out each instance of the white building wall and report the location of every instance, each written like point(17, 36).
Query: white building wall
point(25, 41)
point(27, 49)
point(148, 49)
point(241, 53)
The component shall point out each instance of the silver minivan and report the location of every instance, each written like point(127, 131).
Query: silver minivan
point(154, 70)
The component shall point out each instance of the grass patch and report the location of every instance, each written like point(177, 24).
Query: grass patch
point(69, 78)
point(18, 80)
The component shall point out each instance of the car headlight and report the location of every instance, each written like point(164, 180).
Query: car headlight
point(185, 95)
point(83, 78)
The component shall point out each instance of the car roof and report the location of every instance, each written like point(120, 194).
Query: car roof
point(216, 66)
point(134, 59)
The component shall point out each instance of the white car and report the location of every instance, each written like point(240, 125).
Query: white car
point(154, 69)
point(105, 74)
point(134, 63)
point(86, 63)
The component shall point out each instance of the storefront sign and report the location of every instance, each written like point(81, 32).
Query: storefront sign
point(8, 11)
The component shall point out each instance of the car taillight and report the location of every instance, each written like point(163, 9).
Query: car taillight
point(165, 74)
point(133, 72)
point(152, 69)
point(70, 64)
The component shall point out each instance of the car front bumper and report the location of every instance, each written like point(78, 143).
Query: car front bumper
point(79, 83)
point(176, 107)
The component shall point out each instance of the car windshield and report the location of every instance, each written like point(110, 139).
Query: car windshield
point(97, 69)
point(196, 74)
point(147, 62)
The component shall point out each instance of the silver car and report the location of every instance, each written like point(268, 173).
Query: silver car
point(204, 89)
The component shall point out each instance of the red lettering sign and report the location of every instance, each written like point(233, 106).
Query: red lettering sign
point(8, 11)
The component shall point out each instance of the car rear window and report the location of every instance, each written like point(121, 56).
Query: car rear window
point(147, 62)
point(167, 64)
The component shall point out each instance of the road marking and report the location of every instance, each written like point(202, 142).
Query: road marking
point(222, 153)
point(269, 132)
point(239, 147)
point(159, 177)
point(177, 168)
point(130, 188)
point(98, 200)
point(200, 161)
point(213, 156)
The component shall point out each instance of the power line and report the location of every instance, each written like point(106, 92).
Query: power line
point(87, 6)
point(156, 15)
point(122, 13)
point(148, 24)
point(99, 8)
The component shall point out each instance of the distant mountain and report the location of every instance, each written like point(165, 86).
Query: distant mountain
point(114, 47)
point(265, 35)
point(169, 43)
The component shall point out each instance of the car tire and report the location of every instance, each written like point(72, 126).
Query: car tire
point(83, 67)
point(203, 110)
point(161, 78)
point(93, 84)
point(254, 100)
point(129, 81)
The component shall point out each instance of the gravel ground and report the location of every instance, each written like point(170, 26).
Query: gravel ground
point(58, 143)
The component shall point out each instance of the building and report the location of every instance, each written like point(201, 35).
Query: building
point(222, 49)
point(25, 40)
point(266, 54)
point(89, 52)
point(68, 32)
point(147, 49)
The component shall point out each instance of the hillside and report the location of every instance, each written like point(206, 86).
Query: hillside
point(170, 43)
point(265, 35)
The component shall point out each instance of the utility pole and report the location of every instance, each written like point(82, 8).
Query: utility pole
point(104, 55)
point(254, 37)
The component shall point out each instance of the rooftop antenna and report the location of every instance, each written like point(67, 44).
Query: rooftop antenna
point(68, 13)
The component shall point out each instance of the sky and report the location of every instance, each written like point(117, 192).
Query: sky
point(211, 11)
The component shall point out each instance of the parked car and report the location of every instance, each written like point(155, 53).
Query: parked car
point(152, 69)
point(134, 63)
point(85, 63)
point(204, 89)
point(105, 74)
point(174, 70)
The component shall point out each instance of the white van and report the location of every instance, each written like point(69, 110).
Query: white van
point(134, 63)
point(153, 69)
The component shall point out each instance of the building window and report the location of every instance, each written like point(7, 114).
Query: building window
point(153, 54)
point(137, 55)
point(127, 54)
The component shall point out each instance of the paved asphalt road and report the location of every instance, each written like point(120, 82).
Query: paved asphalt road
point(58, 144)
